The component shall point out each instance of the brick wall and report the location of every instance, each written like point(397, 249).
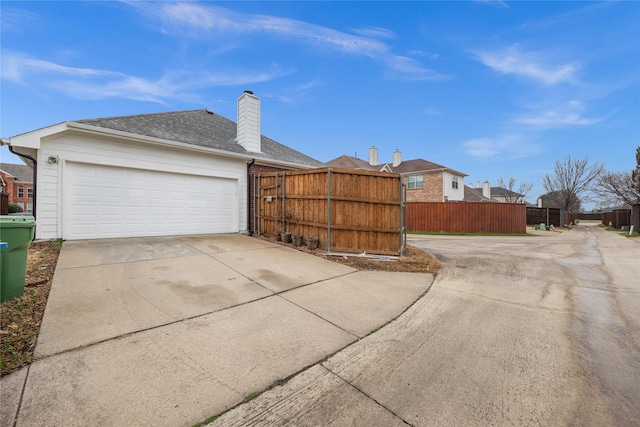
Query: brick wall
point(431, 190)
point(12, 190)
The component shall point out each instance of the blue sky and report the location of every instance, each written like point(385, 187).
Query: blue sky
point(490, 88)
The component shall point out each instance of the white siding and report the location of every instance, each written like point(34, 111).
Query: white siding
point(453, 194)
point(127, 154)
point(249, 123)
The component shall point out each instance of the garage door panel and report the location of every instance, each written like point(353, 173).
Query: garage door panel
point(117, 202)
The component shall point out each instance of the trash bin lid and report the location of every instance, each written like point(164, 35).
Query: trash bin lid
point(8, 221)
point(3, 245)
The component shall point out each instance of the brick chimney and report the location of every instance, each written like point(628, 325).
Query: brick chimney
point(248, 135)
point(397, 158)
point(373, 156)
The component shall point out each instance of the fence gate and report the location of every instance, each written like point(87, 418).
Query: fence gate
point(347, 210)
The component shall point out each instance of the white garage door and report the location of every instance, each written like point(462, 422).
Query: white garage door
point(105, 202)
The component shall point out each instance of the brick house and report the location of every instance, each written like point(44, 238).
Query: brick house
point(425, 181)
point(17, 181)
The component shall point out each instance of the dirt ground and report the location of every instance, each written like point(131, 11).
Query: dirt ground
point(20, 319)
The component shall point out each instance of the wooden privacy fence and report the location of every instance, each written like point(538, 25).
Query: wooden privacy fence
point(347, 210)
point(463, 217)
point(548, 216)
point(4, 204)
point(618, 218)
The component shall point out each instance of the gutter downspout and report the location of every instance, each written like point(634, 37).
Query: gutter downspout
point(35, 176)
point(250, 195)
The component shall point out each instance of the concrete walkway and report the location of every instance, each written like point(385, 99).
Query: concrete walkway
point(172, 330)
point(539, 331)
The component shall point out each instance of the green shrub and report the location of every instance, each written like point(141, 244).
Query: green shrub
point(15, 208)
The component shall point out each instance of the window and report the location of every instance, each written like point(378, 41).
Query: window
point(20, 192)
point(454, 182)
point(29, 193)
point(414, 181)
point(29, 207)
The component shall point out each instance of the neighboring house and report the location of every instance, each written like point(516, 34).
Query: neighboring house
point(17, 181)
point(425, 181)
point(183, 172)
point(486, 193)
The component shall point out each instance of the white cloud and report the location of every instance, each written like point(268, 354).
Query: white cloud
point(432, 112)
point(87, 83)
point(499, 3)
point(572, 113)
point(551, 119)
point(202, 20)
point(375, 32)
point(17, 20)
point(512, 146)
point(528, 64)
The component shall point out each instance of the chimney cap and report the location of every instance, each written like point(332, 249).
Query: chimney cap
point(250, 92)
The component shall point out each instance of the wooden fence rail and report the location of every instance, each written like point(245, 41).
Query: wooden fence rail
point(4, 203)
point(462, 217)
point(548, 216)
point(347, 210)
point(618, 218)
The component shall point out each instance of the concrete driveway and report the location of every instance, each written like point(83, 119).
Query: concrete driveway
point(536, 330)
point(172, 330)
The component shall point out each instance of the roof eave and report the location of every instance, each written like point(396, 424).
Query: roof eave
point(91, 129)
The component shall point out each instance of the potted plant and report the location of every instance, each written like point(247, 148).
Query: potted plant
point(276, 232)
point(296, 238)
point(312, 240)
point(286, 234)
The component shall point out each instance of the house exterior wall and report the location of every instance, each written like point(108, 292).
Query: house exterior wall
point(116, 152)
point(453, 194)
point(13, 191)
point(431, 190)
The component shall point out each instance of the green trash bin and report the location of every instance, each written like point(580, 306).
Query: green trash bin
point(17, 232)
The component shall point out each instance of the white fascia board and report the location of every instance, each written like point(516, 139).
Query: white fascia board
point(453, 171)
point(33, 139)
point(97, 130)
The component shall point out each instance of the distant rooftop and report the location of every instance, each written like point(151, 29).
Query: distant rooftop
point(22, 173)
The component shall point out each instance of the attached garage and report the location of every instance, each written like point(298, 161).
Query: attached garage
point(106, 201)
point(171, 173)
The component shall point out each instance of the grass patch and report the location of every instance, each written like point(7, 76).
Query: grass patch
point(442, 233)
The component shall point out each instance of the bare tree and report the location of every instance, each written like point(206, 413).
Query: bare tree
point(572, 180)
point(511, 194)
point(549, 200)
point(620, 187)
point(635, 174)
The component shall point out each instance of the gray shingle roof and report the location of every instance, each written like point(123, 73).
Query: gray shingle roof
point(503, 192)
point(475, 195)
point(349, 162)
point(407, 166)
point(202, 128)
point(22, 173)
point(415, 165)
